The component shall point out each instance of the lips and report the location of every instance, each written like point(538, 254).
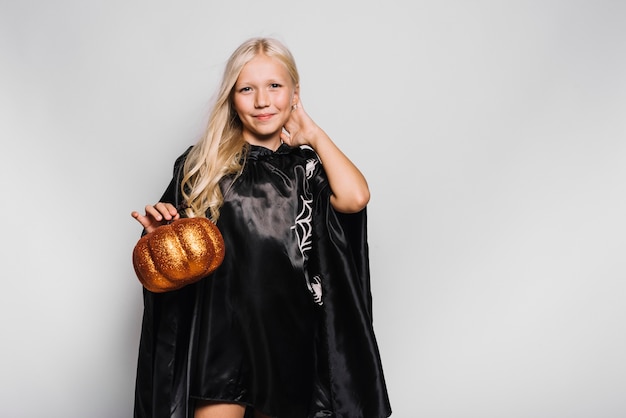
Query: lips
point(264, 116)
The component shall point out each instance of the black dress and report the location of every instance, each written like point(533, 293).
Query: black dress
point(284, 324)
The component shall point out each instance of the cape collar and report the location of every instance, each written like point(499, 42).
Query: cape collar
point(256, 152)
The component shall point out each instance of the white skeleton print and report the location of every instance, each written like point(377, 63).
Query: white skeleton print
point(304, 232)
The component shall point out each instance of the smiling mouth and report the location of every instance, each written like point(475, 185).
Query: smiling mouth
point(264, 116)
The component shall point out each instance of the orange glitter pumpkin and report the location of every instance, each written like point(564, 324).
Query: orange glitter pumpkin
point(178, 254)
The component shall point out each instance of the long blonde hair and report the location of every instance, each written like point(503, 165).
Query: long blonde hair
point(221, 151)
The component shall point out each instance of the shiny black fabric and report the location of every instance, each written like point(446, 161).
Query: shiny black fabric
point(284, 325)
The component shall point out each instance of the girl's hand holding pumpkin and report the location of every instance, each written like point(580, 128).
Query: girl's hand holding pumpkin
point(156, 215)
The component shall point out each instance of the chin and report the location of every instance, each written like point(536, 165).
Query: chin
point(267, 133)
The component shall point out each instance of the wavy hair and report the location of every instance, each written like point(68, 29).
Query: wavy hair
point(221, 151)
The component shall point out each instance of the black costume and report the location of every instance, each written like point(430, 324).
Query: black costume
point(284, 324)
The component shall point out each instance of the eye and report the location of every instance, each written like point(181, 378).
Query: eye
point(245, 89)
point(275, 85)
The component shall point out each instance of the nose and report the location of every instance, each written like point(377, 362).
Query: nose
point(262, 99)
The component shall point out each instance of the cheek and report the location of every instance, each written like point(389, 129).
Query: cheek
point(239, 104)
point(285, 100)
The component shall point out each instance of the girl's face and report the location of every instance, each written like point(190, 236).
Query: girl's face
point(263, 96)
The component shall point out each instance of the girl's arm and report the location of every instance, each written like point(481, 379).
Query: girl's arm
point(350, 192)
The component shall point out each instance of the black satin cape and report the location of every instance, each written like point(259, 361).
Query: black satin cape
point(349, 382)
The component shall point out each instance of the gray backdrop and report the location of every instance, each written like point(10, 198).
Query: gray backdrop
point(492, 134)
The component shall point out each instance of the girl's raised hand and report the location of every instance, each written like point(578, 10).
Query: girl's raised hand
point(300, 129)
point(157, 215)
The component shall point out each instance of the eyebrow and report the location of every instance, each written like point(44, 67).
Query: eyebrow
point(268, 81)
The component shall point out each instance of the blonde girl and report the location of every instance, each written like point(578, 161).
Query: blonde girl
point(283, 327)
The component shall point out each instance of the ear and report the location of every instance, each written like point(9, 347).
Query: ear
point(296, 94)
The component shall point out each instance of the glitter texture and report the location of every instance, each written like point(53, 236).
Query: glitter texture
point(175, 255)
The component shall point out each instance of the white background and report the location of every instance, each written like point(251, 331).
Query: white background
point(493, 136)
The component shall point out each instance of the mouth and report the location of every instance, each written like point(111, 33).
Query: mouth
point(264, 116)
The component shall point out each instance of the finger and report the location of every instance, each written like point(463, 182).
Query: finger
point(143, 220)
point(166, 210)
point(154, 212)
point(138, 217)
point(172, 209)
point(172, 212)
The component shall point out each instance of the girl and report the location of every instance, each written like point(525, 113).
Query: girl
point(283, 327)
